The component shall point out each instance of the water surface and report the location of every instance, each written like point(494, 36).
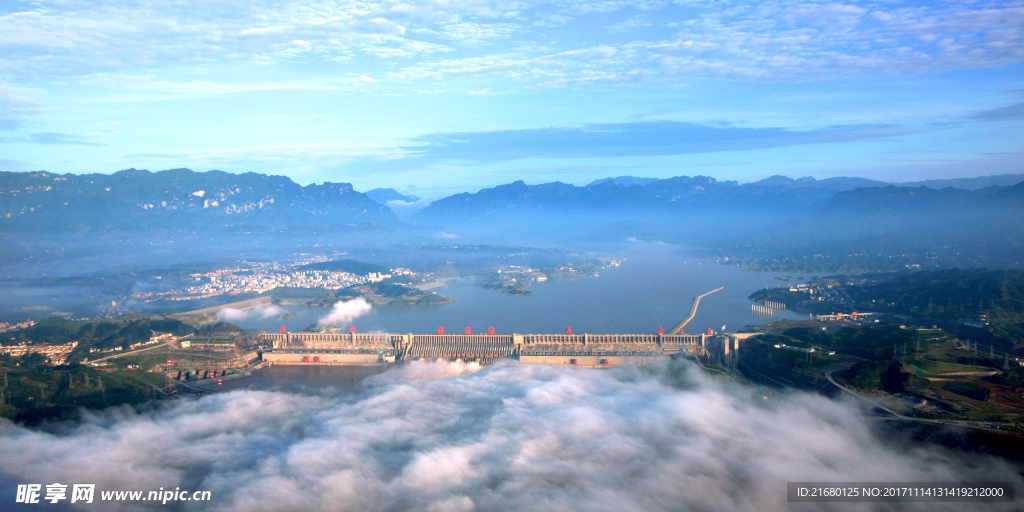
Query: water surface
point(653, 287)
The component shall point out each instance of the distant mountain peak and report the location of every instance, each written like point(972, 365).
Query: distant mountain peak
point(625, 181)
point(1000, 180)
point(838, 183)
point(133, 172)
point(779, 179)
point(384, 195)
point(843, 183)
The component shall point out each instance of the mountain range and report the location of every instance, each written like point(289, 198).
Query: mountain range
point(775, 223)
point(683, 200)
point(134, 200)
point(850, 183)
point(779, 219)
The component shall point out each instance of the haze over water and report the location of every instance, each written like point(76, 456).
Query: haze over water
point(654, 287)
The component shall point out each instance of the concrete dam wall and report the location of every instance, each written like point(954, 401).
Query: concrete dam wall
point(594, 350)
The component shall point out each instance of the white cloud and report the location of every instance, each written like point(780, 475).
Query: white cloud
point(17, 103)
point(551, 20)
point(588, 6)
point(59, 38)
point(440, 436)
point(474, 33)
point(232, 314)
point(630, 24)
point(404, 209)
point(345, 312)
point(782, 40)
point(775, 39)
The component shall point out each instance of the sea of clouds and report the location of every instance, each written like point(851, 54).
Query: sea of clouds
point(438, 436)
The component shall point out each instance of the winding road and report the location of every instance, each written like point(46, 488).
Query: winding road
point(981, 425)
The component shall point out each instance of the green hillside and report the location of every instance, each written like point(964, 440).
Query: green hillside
point(998, 295)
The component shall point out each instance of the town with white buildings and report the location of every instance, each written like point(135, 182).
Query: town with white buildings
point(259, 277)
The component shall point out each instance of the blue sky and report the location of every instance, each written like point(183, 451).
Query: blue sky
point(436, 97)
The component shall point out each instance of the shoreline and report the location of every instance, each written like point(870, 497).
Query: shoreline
point(245, 372)
point(437, 283)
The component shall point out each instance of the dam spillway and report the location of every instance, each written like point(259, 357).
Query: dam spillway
point(317, 348)
point(481, 347)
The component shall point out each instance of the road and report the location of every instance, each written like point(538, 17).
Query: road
point(697, 360)
point(693, 311)
point(983, 425)
point(828, 375)
point(132, 353)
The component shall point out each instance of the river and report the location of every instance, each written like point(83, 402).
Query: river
point(653, 287)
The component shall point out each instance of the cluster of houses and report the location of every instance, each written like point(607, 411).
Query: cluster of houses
point(55, 354)
point(14, 326)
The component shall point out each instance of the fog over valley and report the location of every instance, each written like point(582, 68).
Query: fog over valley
point(457, 437)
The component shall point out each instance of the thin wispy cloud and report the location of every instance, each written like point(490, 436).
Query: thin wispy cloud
point(628, 139)
point(247, 85)
point(51, 139)
point(1009, 112)
point(17, 102)
point(776, 39)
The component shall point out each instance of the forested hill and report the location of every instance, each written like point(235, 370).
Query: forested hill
point(103, 334)
point(954, 294)
point(178, 199)
point(892, 229)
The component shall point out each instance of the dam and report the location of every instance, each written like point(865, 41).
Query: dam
point(587, 350)
point(590, 350)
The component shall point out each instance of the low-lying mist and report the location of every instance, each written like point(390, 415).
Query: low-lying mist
point(345, 311)
point(234, 315)
point(459, 437)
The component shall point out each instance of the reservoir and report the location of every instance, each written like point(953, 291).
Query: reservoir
point(654, 287)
